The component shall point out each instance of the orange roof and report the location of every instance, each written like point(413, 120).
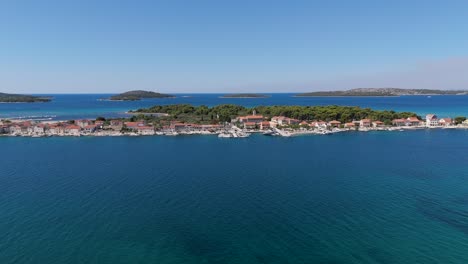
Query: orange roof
point(254, 117)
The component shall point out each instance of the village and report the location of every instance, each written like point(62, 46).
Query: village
point(241, 126)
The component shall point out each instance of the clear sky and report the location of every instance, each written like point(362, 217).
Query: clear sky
point(86, 46)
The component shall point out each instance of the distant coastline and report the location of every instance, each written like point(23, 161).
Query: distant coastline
point(381, 92)
point(21, 98)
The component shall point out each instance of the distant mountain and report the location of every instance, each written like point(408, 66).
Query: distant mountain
point(20, 98)
point(138, 95)
point(384, 92)
point(245, 95)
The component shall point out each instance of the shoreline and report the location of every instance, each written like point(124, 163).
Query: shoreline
point(247, 133)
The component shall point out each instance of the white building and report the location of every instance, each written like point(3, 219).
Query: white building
point(432, 120)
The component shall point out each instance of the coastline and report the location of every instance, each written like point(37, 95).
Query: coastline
point(241, 133)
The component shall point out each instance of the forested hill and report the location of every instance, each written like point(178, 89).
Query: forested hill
point(138, 95)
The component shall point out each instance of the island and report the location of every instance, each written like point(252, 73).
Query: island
point(382, 92)
point(138, 95)
point(245, 95)
point(20, 98)
point(235, 121)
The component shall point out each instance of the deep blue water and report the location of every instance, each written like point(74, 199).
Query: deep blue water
point(65, 107)
point(377, 197)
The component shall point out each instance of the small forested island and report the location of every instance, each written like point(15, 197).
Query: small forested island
point(138, 95)
point(20, 98)
point(383, 92)
point(245, 95)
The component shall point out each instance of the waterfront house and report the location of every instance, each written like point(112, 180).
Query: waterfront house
point(413, 121)
point(320, 124)
point(55, 129)
point(334, 123)
point(250, 125)
point(445, 121)
point(179, 127)
point(134, 125)
point(39, 128)
point(399, 122)
point(365, 123)
point(72, 129)
point(16, 129)
point(116, 123)
point(432, 120)
point(250, 119)
point(465, 123)
point(283, 121)
point(89, 128)
point(349, 125)
point(4, 129)
point(99, 123)
point(377, 123)
point(264, 125)
point(277, 120)
point(83, 123)
point(145, 130)
point(293, 121)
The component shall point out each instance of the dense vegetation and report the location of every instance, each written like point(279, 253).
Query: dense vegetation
point(138, 95)
point(225, 112)
point(20, 98)
point(383, 92)
point(245, 95)
point(459, 119)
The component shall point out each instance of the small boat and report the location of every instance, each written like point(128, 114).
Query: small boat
point(225, 135)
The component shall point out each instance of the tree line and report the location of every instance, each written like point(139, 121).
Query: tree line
point(226, 112)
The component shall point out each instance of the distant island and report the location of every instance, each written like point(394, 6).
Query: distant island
point(138, 95)
point(383, 92)
point(245, 95)
point(20, 98)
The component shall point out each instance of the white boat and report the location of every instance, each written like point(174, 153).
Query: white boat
point(225, 135)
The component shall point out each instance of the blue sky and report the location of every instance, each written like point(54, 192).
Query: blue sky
point(231, 46)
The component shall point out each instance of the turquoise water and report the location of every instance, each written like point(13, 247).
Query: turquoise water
point(377, 197)
point(64, 107)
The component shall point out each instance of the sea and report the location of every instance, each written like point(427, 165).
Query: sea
point(73, 106)
point(357, 197)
